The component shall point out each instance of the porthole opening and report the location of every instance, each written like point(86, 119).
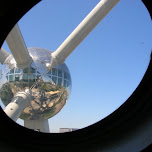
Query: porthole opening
point(101, 81)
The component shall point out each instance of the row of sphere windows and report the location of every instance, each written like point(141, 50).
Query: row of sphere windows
point(55, 72)
point(58, 76)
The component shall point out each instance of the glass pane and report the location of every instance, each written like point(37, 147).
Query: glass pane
point(32, 70)
point(29, 70)
point(65, 83)
point(16, 77)
point(59, 81)
point(26, 70)
point(65, 75)
point(68, 83)
point(31, 77)
point(25, 77)
point(11, 71)
point(54, 79)
point(17, 70)
point(38, 76)
point(59, 73)
point(7, 77)
point(49, 72)
point(54, 71)
point(11, 77)
point(68, 76)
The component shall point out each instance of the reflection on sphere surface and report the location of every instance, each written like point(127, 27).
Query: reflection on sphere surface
point(51, 92)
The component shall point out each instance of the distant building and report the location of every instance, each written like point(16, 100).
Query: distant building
point(67, 129)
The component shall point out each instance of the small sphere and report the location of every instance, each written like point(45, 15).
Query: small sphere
point(51, 87)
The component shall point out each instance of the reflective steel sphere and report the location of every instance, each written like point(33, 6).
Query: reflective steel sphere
point(51, 91)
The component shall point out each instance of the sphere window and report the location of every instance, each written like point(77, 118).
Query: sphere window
point(49, 73)
point(25, 77)
point(17, 77)
point(37, 77)
point(59, 73)
point(50, 77)
point(7, 77)
point(11, 71)
point(65, 75)
point(38, 72)
point(31, 77)
point(11, 78)
point(54, 79)
point(32, 70)
point(54, 71)
point(65, 83)
point(26, 70)
point(68, 83)
point(17, 70)
point(68, 77)
point(29, 70)
point(59, 81)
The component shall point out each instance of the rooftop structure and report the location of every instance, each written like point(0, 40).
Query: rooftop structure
point(62, 130)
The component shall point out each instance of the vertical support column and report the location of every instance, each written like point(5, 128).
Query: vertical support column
point(39, 125)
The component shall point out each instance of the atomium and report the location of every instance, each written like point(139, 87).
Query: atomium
point(51, 91)
point(47, 90)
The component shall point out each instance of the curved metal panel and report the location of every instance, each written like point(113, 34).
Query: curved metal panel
point(49, 95)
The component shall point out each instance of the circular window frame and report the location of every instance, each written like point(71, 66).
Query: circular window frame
point(130, 116)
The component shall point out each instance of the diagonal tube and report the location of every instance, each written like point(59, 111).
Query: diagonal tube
point(82, 30)
point(18, 48)
point(3, 55)
point(20, 101)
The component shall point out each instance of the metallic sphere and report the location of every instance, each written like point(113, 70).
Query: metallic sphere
point(51, 91)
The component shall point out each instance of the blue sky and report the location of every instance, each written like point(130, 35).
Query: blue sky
point(106, 67)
